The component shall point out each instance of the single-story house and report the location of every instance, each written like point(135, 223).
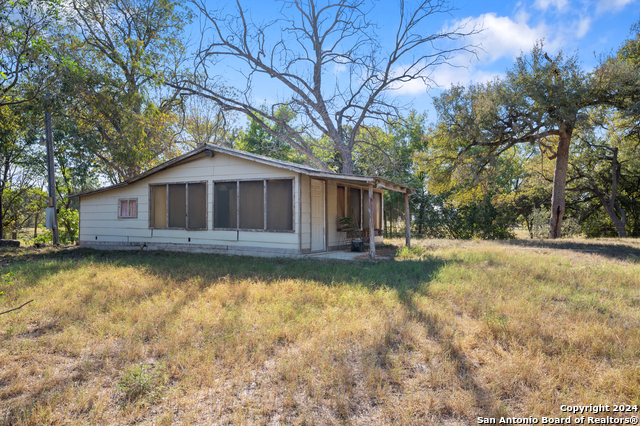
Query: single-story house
point(221, 200)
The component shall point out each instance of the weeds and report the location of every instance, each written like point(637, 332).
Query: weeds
point(143, 382)
point(5, 281)
point(410, 253)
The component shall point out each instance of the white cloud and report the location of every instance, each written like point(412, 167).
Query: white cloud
point(583, 27)
point(504, 37)
point(612, 5)
point(545, 4)
point(339, 69)
point(413, 87)
point(446, 76)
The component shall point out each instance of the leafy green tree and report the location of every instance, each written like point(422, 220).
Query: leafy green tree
point(257, 140)
point(121, 51)
point(541, 101)
point(205, 123)
point(605, 167)
point(484, 197)
point(24, 44)
point(25, 205)
point(20, 162)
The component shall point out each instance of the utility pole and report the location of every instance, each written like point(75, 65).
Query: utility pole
point(52, 176)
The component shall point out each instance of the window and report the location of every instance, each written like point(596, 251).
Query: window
point(377, 208)
point(280, 205)
point(357, 206)
point(127, 208)
point(365, 209)
point(179, 206)
point(158, 206)
point(342, 211)
point(354, 207)
point(225, 205)
point(254, 205)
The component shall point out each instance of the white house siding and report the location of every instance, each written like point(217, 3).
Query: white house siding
point(100, 226)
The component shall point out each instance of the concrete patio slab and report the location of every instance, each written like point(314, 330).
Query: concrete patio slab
point(353, 256)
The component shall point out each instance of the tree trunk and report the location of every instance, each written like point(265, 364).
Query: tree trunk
point(613, 204)
point(407, 221)
point(421, 212)
point(559, 183)
point(1, 214)
point(3, 185)
point(619, 223)
point(347, 161)
point(35, 226)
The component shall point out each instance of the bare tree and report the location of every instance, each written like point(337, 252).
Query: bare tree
point(327, 63)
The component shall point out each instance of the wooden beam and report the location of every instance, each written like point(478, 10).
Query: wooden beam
point(407, 220)
point(372, 231)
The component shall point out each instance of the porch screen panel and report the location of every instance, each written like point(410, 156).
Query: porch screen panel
point(252, 205)
point(159, 206)
point(280, 205)
point(377, 203)
point(197, 205)
point(177, 206)
point(354, 206)
point(225, 202)
point(365, 209)
point(342, 212)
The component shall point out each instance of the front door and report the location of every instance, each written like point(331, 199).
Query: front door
point(317, 215)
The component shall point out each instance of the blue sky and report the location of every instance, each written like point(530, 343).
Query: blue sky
point(588, 27)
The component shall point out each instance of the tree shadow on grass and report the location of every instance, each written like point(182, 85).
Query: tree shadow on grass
point(409, 279)
point(465, 369)
point(408, 274)
point(620, 249)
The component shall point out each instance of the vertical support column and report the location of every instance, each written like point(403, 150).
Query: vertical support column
point(372, 233)
point(407, 220)
point(52, 174)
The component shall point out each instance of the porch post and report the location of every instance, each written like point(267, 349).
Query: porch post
point(407, 220)
point(372, 233)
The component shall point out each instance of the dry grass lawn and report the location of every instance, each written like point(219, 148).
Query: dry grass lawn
point(446, 332)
